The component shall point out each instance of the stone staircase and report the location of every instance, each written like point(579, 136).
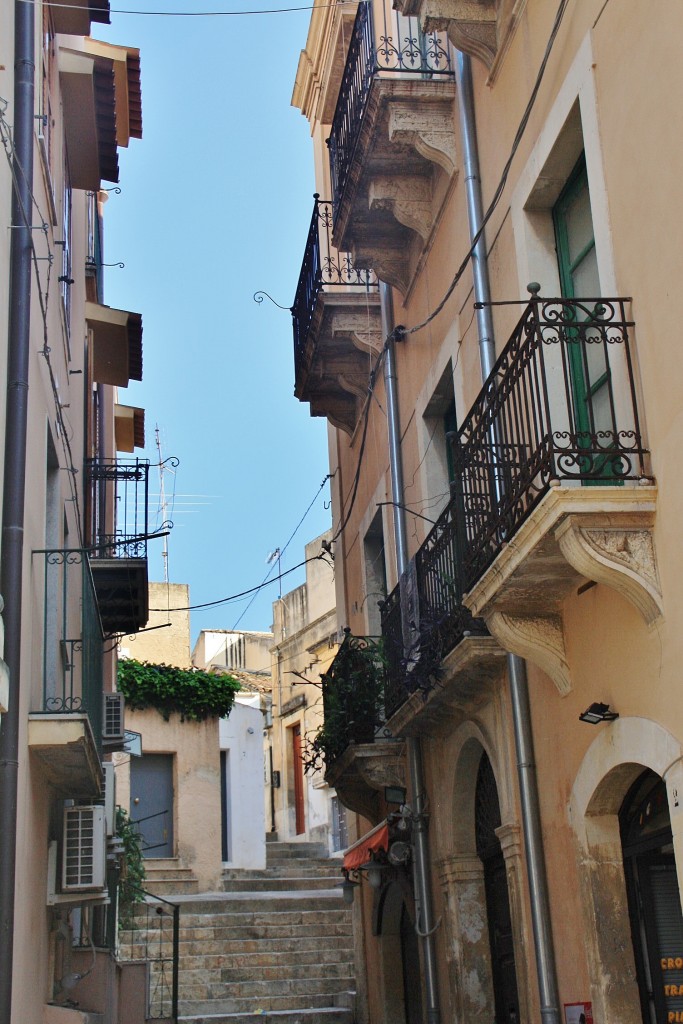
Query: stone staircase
point(164, 878)
point(274, 948)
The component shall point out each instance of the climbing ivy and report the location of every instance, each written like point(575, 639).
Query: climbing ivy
point(191, 693)
point(132, 867)
point(353, 701)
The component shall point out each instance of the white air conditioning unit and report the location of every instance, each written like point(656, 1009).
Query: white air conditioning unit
point(84, 848)
point(112, 724)
point(109, 797)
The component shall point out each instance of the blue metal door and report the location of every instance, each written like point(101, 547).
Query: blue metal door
point(151, 802)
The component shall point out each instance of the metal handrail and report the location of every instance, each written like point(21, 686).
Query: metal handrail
point(155, 945)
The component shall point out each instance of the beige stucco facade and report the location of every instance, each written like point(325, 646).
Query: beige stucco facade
point(582, 582)
point(304, 643)
point(193, 748)
point(59, 619)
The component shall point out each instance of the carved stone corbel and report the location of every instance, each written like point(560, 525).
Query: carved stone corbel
point(361, 328)
point(429, 129)
point(622, 558)
point(340, 409)
point(471, 25)
point(408, 198)
point(390, 263)
point(540, 638)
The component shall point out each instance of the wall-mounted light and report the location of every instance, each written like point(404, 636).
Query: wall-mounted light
point(597, 713)
point(375, 872)
point(347, 887)
point(395, 795)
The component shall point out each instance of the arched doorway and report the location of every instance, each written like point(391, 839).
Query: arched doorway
point(401, 981)
point(653, 898)
point(487, 820)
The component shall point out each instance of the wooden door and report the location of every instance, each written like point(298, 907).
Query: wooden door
point(298, 769)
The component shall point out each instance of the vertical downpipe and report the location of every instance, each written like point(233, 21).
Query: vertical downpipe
point(519, 688)
point(421, 869)
point(15, 474)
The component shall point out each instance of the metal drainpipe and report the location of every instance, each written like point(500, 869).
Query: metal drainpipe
point(519, 689)
point(421, 868)
point(15, 475)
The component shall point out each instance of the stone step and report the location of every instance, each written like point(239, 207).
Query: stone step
point(248, 1004)
point(172, 886)
point(278, 851)
point(314, 960)
point(290, 868)
point(276, 945)
point(273, 883)
point(342, 945)
point(322, 1015)
point(272, 911)
point(262, 902)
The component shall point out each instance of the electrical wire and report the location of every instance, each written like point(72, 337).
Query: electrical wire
point(282, 550)
point(497, 195)
point(43, 301)
point(242, 593)
point(366, 418)
point(201, 14)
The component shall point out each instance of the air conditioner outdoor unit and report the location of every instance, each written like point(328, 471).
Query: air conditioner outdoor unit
point(112, 725)
point(84, 848)
point(109, 797)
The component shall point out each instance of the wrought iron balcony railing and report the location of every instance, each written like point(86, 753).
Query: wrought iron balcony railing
point(415, 648)
point(93, 257)
point(558, 407)
point(323, 267)
point(383, 42)
point(72, 641)
point(353, 698)
point(119, 518)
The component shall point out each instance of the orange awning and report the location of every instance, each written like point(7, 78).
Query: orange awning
point(374, 840)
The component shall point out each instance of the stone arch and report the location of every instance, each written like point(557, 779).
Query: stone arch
point(614, 760)
point(461, 875)
point(389, 912)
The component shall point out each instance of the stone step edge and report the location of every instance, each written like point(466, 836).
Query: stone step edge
point(246, 1015)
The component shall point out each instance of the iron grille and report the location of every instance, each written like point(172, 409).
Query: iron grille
point(118, 497)
point(323, 267)
point(559, 406)
point(383, 41)
point(72, 638)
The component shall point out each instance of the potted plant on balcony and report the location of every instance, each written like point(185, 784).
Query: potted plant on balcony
point(353, 701)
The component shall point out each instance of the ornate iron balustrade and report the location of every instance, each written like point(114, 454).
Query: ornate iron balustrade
point(559, 406)
point(353, 697)
point(417, 641)
point(392, 632)
point(322, 265)
point(72, 642)
point(382, 41)
point(118, 495)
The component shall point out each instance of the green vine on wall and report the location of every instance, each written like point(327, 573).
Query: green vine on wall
point(353, 701)
point(191, 693)
point(132, 867)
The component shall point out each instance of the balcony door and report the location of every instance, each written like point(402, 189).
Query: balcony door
point(587, 349)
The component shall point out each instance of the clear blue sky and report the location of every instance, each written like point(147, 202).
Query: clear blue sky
point(215, 204)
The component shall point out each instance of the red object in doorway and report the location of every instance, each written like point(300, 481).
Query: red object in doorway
point(298, 766)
